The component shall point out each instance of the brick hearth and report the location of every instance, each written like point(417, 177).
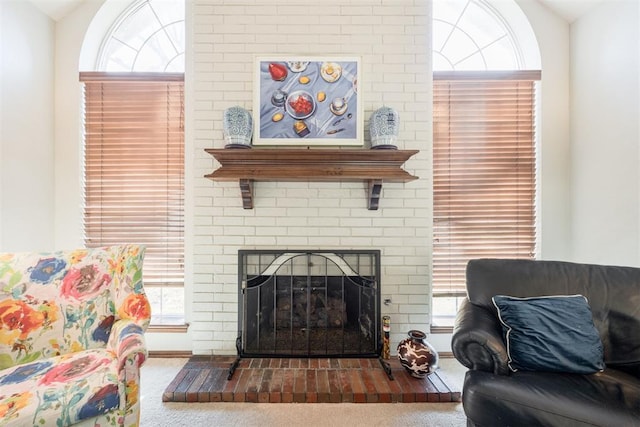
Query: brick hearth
point(287, 380)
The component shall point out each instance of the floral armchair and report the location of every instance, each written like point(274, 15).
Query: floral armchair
point(72, 337)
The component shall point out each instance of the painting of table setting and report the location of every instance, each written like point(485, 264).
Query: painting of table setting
point(307, 101)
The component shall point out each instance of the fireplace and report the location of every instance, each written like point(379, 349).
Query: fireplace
point(323, 303)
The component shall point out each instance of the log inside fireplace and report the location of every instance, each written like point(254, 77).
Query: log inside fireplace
point(309, 303)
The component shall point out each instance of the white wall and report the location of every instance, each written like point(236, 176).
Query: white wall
point(26, 128)
point(605, 95)
point(70, 33)
point(554, 189)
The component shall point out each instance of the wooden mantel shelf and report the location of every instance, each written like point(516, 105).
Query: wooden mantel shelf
point(295, 164)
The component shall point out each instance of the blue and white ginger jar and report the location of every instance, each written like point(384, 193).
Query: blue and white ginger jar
point(237, 127)
point(384, 124)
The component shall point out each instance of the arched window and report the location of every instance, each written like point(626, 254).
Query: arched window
point(486, 67)
point(477, 35)
point(147, 37)
point(134, 146)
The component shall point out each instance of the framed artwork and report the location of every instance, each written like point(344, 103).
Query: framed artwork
point(303, 101)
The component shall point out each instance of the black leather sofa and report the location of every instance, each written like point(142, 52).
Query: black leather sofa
point(494, 396)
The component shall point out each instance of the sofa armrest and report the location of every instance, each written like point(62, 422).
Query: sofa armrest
point(127, 341)
point(477, 340)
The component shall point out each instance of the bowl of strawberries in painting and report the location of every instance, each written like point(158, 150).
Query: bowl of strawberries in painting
point(300, 104)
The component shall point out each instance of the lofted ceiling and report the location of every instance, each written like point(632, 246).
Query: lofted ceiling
point(57, 9)
point(570, 10)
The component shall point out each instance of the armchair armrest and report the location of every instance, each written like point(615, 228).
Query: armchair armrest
point(477, 340)
point(127, 341)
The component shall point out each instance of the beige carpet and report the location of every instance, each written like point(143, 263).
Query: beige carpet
point(157, 374)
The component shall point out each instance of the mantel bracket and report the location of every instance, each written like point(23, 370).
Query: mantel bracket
point(246, 191)
point(375, 190)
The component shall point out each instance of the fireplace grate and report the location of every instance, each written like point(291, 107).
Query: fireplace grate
point(309, 303)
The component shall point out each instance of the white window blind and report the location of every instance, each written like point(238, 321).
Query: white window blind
point(484, 163)
point(134, 167)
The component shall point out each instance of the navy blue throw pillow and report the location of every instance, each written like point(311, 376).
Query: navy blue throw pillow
point(551, 333)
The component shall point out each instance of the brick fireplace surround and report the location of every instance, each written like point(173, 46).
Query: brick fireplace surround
point(393, 40)
point(308, 380)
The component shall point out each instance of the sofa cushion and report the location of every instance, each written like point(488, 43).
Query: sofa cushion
point(61, 390)
point(608, 398)
point(554, 334)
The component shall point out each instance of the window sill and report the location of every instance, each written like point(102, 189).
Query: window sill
point(169, 328)
point(441, 329)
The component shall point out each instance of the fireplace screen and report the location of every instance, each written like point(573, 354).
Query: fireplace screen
point(309, 304)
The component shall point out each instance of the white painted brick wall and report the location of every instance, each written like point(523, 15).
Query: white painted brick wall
point(393, 39)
